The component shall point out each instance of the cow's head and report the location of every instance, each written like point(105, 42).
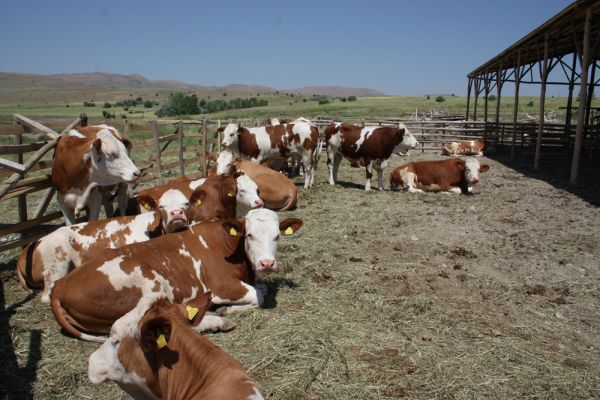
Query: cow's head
point(230, 136)
point(110, 159)
point(143, 339)
point(224, 162)
point(262, 231)
point(172, 205)
point(247, 192)
point(406, 140)
point(472, 170)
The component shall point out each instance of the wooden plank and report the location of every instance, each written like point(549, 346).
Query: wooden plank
point(25, 190)
point(22, 120)
point(44, 202)
point(168, 137)
point(7, 229)
point(41, 231)
point(21, 148)
point(13, 166)
point(203, 169)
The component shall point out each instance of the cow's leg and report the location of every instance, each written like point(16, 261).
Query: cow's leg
point(333, 162)
point(94, 204)
point(369, 173)
point(455, 190)
point(122, 197)
point(66, 210)
point(308, 168)
point(379, 165)
point(214, 323)
point(252, 299)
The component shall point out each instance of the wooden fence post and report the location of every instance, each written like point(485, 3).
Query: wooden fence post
point(219, 135)
point(157, 167)
point(203, 148)
point(22, 200)
point(181, 162)
point(125, 128)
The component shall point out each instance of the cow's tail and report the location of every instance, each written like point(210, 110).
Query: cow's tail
point(25, 265)
point(63, 319)
point(292, 200)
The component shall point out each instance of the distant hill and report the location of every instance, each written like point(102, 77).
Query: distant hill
point(16, 81)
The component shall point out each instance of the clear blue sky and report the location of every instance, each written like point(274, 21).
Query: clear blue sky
point(404, 47)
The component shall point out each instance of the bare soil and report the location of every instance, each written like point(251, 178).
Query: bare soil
point(386, 295)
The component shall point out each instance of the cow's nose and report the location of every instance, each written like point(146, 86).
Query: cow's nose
point(259, 203)
point(176, 214)
point(267, 264)
point(136, 173)
point(475, 180)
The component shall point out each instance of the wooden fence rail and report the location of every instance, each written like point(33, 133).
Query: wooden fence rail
point(177, 149)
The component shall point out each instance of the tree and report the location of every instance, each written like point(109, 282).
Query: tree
point(148, 104)
point(351, 98)
point(440, 99)
point(107, 104)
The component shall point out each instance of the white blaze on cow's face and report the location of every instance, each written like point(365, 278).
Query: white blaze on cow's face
point(110, 160)
point(247, 193)
point(224, 162)
point(408, 141)
point(106, 363)
point(173, 206)
point(263, 231)
point(230, 136)
point(472, 170)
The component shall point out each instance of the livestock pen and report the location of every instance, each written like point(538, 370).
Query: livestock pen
point(385, 295)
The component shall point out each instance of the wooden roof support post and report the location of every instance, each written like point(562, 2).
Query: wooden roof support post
point(590, 95)
point(538, 142)
point(203, 147)
point(477, 84)
point(469, 84)
point(582, 96)
point(486, 85)
point(569, 113)
point(499, 84)
point(516, 105)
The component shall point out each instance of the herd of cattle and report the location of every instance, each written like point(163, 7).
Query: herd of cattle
point(191, 252)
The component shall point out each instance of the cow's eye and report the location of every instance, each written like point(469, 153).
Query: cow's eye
point(186, 204)
point(161, 207)
point(277, 237)
point(249, 236)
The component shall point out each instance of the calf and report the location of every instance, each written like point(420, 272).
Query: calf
point(276, 142)
point(233, 196)
point(153, 352)
point(467, 147)
point(224, 257)
point(453, 175)
point(373, 145)
point(85, 159)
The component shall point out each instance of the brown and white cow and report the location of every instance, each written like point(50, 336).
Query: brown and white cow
point(276, 142)
point(153, 353)
point(224, 257)
point(451, 175)
point(373, 145)
point(85, 159)
point(237, 193)
point(43, 262)
point(467, 147)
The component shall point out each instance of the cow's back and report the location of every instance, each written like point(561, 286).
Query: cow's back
point(276, 190)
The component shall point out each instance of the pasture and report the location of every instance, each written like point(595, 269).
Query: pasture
point(386, 295)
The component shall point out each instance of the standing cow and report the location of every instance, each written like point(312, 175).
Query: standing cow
point(373, 145)
point(86, 159)
point(276, 142)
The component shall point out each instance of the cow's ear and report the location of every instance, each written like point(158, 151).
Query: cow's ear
point(155, 227)
point(290, 226)
point(147, 202)
point(240, 128)
point(155, 334)
point(484, 167)
point(238, 173)
point(97, 145)
point(194, 309)
point(197, 197)
point(221, 129)
point(127, 144)
point(233, 227)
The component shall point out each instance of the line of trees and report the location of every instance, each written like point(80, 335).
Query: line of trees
point(181, 104)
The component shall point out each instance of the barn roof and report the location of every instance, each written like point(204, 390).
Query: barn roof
point(563, 28)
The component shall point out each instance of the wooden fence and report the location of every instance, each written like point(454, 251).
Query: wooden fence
point(175, 152)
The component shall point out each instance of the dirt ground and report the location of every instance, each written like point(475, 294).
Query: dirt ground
point(387, 295)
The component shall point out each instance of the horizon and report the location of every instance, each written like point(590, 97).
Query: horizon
point(368, 46)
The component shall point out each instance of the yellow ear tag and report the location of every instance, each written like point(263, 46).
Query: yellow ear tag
point(232, 231)
point(198, 202)
point(192, 311)
point(161, 341)
point(146, 205)
point(289, 231)
point(230, 194)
